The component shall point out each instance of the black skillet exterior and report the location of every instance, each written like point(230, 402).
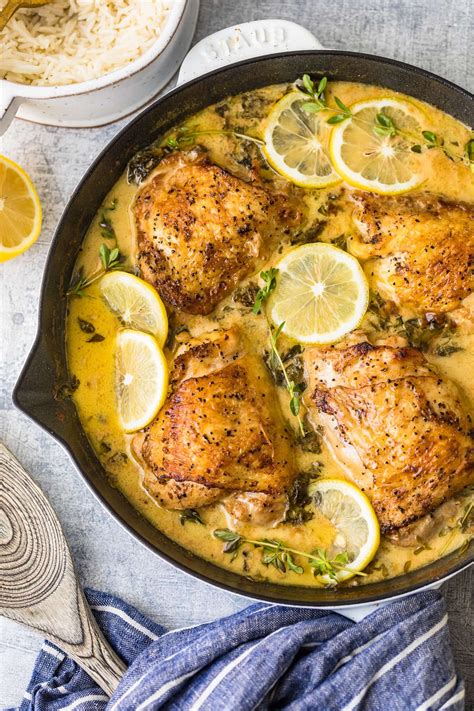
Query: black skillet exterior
point(43, 382)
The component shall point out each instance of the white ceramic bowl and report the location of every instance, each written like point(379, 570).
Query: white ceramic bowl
point(109, 98)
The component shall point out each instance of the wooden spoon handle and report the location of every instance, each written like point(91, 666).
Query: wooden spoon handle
point(98, 659)
point(13, 5)
point(38, 585)
point(7, 12)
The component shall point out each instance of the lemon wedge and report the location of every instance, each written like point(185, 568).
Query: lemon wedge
point(352, 515)
point(296, 143)
point(141, 378)
point(381, 163)
point(321, 294)
point(20, 210)
point(136, 303)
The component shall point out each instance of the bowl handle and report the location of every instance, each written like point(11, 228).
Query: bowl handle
point(9, 104)
point(245, 41)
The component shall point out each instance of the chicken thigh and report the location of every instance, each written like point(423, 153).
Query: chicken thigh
point(220, 435)
point(420, 249)
point(200, 230)
point(398, 428)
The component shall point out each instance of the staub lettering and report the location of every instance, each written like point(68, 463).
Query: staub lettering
point(238, 43)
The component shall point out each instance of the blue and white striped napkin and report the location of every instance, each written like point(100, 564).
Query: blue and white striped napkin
point(266, 657)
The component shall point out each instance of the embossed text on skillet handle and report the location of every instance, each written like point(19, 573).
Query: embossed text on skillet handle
point(250, 39)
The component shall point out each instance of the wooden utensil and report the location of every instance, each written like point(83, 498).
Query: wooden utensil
point(38, 585)
point(13, 5)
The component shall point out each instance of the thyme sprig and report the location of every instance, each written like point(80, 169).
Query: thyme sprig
point(269, 279)
point(317, 100)
point(385, 126)
point(294, 389)
point(185, 137)
point(282, 557)
point(110, 259)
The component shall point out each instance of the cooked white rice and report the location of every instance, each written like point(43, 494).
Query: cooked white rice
point(70, 41)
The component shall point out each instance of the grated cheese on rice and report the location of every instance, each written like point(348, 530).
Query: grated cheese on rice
point(70, 41)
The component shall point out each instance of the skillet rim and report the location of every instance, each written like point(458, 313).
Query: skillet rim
point(36, 351)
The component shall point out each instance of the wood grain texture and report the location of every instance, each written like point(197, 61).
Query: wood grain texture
point(433, 34)
point(38, 585)
point(12, 6)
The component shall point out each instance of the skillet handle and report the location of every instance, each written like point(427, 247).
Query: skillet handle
point(356, 613)
point(245, 41)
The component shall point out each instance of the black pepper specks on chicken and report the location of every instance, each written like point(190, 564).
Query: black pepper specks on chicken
point(220, 434)
point(201, 230)
point(420, 249)
point(400, 430)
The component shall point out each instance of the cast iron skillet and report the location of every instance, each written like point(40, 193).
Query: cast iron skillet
point(43, 382)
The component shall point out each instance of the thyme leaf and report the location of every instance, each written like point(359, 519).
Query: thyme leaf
point(317, 101)
point(384, 126)
point(85, 326)
point(190, 515)
point(110, 258)
point(323, 565)
point(447, 349)
point(264, 292)
point(430, 138)
point(105, 223)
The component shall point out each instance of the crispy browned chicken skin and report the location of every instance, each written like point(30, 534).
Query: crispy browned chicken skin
point(420, 247)
point(200, 230)
point(399, 429)
point(220, 435)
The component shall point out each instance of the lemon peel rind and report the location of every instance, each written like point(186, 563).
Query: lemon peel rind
point(367, 552)
point(290, 174)
point(151, 412)
point(135, 282)
point(355, 179)
point(336, 335)
point(8, 253)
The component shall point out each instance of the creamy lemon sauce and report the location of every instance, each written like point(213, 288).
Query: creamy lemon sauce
point(92, 362)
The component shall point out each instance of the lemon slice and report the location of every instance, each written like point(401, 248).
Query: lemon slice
point(321, 294)
point(357, 528)
point(141, 378)
point(383, 164)
point(136, 303)
point(296, 143)
point(20, 210)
